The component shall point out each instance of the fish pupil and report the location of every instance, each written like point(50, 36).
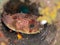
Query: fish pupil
point(31, 25)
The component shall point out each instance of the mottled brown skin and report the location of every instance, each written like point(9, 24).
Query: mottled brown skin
point(11, 9)
point(22, 23)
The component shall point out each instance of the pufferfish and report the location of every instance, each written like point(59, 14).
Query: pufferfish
point(48, 14)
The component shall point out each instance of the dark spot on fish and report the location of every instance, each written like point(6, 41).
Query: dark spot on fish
point(32, 25)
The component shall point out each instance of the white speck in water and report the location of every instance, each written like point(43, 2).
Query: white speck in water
point(43, 22)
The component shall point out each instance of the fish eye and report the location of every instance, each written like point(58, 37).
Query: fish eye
point(31, 25)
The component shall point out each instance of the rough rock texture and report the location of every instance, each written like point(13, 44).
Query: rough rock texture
point(57, 41)
point(45, 37)
point(45, 42)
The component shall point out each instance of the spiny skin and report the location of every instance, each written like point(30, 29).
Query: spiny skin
point(20, 23)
